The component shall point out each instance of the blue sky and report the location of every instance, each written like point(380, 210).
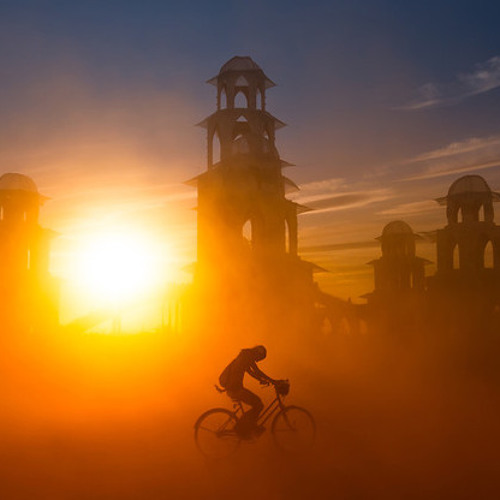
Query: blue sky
point(387, 103)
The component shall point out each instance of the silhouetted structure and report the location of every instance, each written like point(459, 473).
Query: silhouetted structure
point(461, 245)
point(247, 228)
point(467, 282)
point(399, 269)
point(242, 206)
point(398, 297)
point(464, 294)
point(28, 293)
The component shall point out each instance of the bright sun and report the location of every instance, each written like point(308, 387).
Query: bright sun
point(119, 266)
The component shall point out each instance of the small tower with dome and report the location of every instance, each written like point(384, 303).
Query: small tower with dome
point(465, 291)
point(26, 288)
point(399, 269)
point(399, 292)
point(470, 243)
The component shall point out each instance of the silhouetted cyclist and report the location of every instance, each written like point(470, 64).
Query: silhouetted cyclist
point(232, 380)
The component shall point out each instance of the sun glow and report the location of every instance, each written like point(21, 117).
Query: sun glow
point(116, 267)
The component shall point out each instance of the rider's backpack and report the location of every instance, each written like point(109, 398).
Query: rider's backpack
point(225, 376)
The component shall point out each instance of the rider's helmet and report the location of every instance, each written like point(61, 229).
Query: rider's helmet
point(259, 352)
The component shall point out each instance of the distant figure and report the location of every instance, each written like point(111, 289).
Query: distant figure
point(231, 379)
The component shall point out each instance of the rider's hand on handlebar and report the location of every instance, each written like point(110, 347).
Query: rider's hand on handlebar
point(282, 387)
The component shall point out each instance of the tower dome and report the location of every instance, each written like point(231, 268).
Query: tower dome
point(396, 227)
point(17, 182)
point(469, 184)
point(238, 65)
point(398, 239)
point(467, 197)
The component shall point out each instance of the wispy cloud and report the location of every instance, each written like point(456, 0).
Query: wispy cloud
point(444, 170)
point(321, 188)
point(413, 208)
point(483, 78)
point(469, 155)
point(354, 245)
point(460, 147)
point(343, 201)
point(335, 194)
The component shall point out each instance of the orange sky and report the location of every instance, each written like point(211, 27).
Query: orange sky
point(99, 106)
point(122, 162)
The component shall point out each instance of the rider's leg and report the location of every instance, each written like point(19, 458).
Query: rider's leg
point(249, 419)
point(256, 406)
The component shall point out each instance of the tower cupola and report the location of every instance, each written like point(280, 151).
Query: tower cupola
point(469, 200)
point(19, 200)
point(241, 76)
point(471, 240)
point(241, 129)
point(397, 240)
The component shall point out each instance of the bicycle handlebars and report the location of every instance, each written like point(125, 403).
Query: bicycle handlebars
point(282, 387)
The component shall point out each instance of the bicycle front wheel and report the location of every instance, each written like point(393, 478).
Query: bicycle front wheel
point(294, 430)
point(215, 435)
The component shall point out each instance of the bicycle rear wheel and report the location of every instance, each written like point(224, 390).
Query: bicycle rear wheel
point(215, 435)
point(294, 430)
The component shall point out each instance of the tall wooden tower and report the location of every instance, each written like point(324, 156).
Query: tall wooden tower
point(243, 213)
point(248, 267)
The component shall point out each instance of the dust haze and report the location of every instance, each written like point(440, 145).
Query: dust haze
point(401, 412)
point(112, 417)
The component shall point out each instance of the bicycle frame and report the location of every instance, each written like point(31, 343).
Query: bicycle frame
point(292, 427)
point(275, 405)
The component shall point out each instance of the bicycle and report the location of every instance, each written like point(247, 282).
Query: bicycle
point(293, 428)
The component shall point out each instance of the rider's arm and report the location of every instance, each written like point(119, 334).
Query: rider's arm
point(255, 372)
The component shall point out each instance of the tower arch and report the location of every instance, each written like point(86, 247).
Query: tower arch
point(488, 261)
point(222, 98)
point(241, 99)
point(215, 149)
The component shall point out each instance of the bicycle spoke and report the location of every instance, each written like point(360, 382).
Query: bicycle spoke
point(294, 429)
point(214, 433)
point(208, 430)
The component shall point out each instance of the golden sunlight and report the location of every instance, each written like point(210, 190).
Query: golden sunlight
point(116, 267)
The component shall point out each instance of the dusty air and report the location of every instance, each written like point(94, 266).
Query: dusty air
point(153, 374)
